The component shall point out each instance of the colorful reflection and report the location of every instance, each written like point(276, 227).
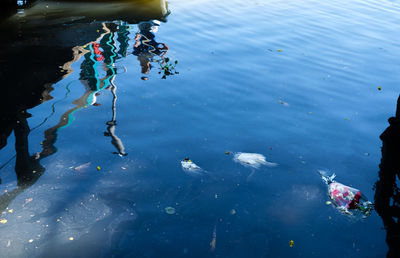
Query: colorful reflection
point(148, 50)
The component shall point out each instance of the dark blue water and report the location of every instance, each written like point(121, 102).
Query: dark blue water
point(296, 81)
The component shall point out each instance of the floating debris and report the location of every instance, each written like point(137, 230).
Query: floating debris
point(233, 212)
point(30, 240)
point(379, 88)
point(191, 168)
point(98, 168)
point(3, 221)
point(70, 238)
point(170, 210)
point(214, 239)
point(346, 198)
point(253, 160)
point(83, 166)
point(283, 103)
point(279, 50)
point(291, 243)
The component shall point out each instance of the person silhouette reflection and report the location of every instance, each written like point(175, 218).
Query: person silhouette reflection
point(387, 194)
point(146, 47)
point(27, 167)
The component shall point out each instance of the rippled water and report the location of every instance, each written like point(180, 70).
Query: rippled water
point(296, 81)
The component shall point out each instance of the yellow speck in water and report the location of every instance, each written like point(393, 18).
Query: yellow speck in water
point(328, 203)
point(11, 210)
point(98, 167)
point(291, 243)
point(3, 221)
point(279, 50)
point(379, 87)
point(71, 238)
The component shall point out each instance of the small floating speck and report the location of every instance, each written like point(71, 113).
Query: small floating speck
point(170, 210)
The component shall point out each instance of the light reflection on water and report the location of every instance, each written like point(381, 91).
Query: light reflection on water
point(295, 81)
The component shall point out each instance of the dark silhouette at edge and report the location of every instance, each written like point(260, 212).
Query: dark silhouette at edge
point(387, 196)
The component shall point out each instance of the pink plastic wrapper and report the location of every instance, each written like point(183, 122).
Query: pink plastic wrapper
point(346, 198)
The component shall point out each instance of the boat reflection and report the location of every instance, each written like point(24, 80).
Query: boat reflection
point(387, 194)
point(99, 44)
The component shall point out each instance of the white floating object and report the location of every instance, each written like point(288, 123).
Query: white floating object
point(254, 160)
point(190, 167)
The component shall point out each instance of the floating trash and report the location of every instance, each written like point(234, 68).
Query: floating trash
point(170, 210)
point(189, 167)
point(213, 242)
point(3, 221)
point(83, 166)
point(291, 243)
point(346, 198)
point(283, 103)
point(253, 160)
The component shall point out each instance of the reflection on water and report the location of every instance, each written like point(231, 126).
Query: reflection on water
point(146, 47)
point(97, 165)
point(387, 193)
point(103, 44)
point(98, 72)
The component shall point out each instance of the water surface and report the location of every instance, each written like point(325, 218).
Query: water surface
point(296, 81)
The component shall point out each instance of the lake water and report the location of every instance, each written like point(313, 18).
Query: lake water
point(309, 84)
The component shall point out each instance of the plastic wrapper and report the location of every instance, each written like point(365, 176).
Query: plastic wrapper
point(190, 168)
point(254, 160)
point(347, 199)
